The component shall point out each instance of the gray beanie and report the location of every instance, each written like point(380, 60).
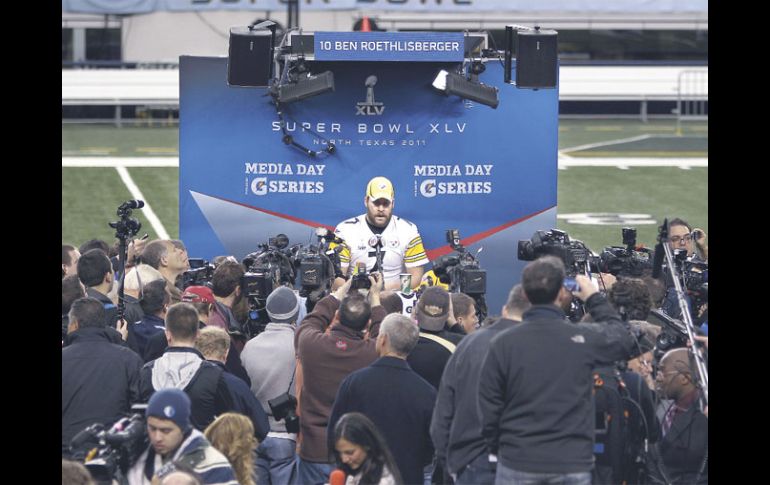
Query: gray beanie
point(282, 305)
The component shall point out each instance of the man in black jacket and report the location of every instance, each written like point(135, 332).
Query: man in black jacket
point(397, 400)
point(182, 367)
point(684, 447)
point(536, 381)
point(456, 425)
point(214, 344)
point(436, 344)
point(100, 379)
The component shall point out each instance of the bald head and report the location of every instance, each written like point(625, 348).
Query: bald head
point(678, 359)
point(674, 378)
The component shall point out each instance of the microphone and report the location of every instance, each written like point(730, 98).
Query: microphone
point(337, 477)
point(375, 241)
point(91, 433)
point(132, 204)
point(657, 261)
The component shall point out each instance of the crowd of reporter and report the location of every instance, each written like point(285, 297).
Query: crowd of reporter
point(388, 387)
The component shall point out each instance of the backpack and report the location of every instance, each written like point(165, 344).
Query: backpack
point(619, 431)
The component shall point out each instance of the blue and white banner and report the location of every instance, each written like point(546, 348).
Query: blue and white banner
point(525, 6)
point(389, 46)
point(147, 6)
point(368, 6)
point(491, 173)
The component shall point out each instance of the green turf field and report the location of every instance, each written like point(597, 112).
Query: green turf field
point(90, 196)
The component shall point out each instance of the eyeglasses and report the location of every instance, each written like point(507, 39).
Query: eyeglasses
point(678, 239)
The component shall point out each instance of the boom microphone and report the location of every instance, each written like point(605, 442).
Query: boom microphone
point(657, 259)
point(337, 477)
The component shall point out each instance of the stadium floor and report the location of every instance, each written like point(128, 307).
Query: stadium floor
point(630, 190)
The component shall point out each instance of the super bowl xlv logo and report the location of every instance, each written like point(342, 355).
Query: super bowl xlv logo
point(370, 107)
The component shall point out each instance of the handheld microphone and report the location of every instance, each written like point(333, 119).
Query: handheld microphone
point(337, 477)
point(132, 204)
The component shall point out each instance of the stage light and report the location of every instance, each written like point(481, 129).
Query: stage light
point(455, 83)
point(306, 86)
point(302, 84)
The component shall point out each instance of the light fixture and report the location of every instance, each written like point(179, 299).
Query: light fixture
point(302, 84)
point(457, 84)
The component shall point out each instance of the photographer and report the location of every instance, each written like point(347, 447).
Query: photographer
point(174, 440)
point(537, 379)
point(269, 359)
point(326, 359)
point(692, 267)
point(100, 379)
point(682, 236)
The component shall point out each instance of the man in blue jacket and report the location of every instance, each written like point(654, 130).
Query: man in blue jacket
point(535, 387)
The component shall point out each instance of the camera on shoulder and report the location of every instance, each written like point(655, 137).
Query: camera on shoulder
point(284, 407)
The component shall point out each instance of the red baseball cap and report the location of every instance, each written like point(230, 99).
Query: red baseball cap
point(198, 294)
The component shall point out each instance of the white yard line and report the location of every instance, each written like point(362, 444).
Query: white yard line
point(606, 143)
point(564, 162)
point(146, 210)
point(625, 163)
point(119, 161)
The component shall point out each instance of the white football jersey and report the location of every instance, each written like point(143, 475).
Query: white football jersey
point(401, 246)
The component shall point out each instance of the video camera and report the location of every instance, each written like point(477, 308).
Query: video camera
point(318, 266)
point(360, 278)
point(285, 407)
point(109, 453)
point(695, 277)
point(266, 269)
point(460, 270)
point(577, 258)
point(199, 274)
point(629, 260)
point(673, 333)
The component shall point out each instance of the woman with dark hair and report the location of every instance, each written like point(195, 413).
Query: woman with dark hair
point(361, 452)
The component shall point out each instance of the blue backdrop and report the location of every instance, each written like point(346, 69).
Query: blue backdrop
point(454, 163)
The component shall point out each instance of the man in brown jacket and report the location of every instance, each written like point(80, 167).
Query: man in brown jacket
point(327, 357)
